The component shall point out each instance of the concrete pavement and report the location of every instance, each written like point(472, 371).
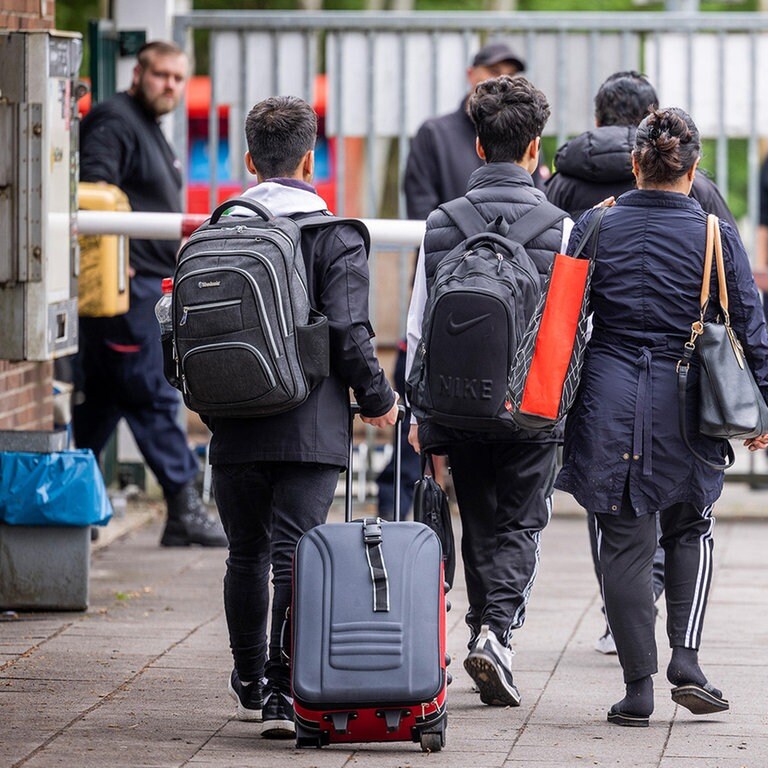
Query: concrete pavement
point(140, 678)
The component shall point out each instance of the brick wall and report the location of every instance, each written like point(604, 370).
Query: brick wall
point(26, 395)
point(26, 14)
point(26, 391)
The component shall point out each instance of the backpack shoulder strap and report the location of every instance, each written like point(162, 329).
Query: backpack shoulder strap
point(464, 216)
point(326, 219)
point(534, 222)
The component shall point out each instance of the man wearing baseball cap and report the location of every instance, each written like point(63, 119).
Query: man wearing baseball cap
point(442, 155)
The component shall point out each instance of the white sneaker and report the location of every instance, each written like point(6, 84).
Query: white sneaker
point(605, 643)
point(489, 664)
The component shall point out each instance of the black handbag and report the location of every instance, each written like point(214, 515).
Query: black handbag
point(731, 405)
point(430, 506)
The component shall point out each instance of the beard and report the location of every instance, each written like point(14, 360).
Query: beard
point(159, 105)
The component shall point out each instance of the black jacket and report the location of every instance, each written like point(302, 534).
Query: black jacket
point(597, 164)
point(317, 431)
point(122, 144)
point(496, 189)
point(440, 162)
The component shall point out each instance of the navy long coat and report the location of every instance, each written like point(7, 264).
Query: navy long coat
point(623, 427)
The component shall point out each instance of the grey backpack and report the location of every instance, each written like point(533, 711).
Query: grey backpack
point(246, 340)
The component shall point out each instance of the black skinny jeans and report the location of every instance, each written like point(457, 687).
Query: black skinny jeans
point(265, 508)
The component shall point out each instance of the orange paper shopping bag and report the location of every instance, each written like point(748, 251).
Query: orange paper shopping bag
point(546, 370)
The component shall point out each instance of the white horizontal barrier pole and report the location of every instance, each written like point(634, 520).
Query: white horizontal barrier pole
point(172, 226)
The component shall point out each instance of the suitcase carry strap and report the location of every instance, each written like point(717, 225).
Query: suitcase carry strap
point(378, 569)
point(372, 540)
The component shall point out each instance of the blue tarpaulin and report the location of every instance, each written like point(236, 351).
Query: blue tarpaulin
point(60, 488)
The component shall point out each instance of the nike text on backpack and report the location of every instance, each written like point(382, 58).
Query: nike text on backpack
point(246, 340)
point(484, 292)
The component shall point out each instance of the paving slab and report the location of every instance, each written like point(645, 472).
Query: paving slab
point(139, 679)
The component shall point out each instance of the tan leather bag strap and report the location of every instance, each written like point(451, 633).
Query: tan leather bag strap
point(712, 227)
point(722, 286)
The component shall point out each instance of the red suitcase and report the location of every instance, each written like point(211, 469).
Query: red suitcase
point(368, 658)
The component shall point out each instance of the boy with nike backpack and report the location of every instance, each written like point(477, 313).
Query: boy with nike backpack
point(481, 270)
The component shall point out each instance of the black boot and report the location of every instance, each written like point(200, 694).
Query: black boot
point(189, 523)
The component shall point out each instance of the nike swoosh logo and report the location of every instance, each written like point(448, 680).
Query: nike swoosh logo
point(456, 328)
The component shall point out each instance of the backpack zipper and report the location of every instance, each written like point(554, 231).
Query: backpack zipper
point(259, 299)
point(270, 268)
point(209, 305)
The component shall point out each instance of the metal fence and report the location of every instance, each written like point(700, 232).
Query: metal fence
point(387, 72)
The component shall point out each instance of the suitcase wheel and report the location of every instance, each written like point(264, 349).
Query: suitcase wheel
point(306, 738)
point(432, 742)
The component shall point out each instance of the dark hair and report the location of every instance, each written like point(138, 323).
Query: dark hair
point(508, 113)
point(157, 48)
point(625, 98)
point(666, 145)
point(280, 130)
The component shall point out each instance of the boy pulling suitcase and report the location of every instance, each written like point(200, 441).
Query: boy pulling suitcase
point(275, 476)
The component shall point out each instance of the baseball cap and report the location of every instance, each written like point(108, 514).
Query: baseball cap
point(493, 53)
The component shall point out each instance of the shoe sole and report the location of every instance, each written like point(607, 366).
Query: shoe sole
point(492, 691)
point(278, 729)
point(698, 700)
point(629, 721)
point(184, 542)
point(243, 713)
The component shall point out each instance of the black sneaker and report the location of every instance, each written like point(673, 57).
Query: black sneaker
point(489, 664)
point(247, 697)
point(189, 523)
point(277, 715)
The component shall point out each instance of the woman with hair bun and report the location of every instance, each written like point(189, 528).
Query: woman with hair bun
point(624, 457)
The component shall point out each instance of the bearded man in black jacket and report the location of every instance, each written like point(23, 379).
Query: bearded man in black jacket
point(597, 164)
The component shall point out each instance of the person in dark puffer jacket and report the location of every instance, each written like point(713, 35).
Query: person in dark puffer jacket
point(597, 163)
point(503, 482)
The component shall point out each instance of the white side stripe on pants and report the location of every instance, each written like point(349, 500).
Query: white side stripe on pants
point(702, 578)
point(517, 619)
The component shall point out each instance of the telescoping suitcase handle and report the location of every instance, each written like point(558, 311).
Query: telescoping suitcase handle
point(354, 410)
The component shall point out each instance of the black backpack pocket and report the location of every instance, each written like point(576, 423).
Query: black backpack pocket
point(313, 345)
point(243, 376)
point(468, 357)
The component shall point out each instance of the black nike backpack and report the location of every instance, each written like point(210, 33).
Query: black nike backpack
point(246, 340)
point(483, 294)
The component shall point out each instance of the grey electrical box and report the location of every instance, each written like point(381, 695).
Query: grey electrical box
point(38, 194)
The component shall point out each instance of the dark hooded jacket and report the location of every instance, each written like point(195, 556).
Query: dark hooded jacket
point(597, 164)
point(622, 432)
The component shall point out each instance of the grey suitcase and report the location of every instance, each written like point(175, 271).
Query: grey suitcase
point(368, 660)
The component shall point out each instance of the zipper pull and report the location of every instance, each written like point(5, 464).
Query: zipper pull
point(501, 261)
point(240, 229)
point(184, 314)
